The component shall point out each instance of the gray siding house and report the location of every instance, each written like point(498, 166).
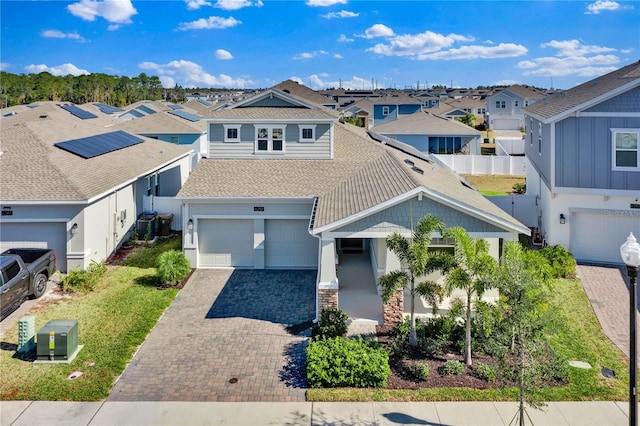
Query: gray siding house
point(505, 108)
point(583, 160)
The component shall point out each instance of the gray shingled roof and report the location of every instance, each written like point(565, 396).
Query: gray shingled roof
point(363, 174)
point(423, 122)
point(34, 170)
point(271, 113)
point(525, 92)
point(163, 122)
point(303, 92)
point(569, 100)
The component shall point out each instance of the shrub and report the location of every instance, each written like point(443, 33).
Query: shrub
point(332, 323)
point(557, 369)
point(342, 362)
point(561, 260)
point(83, 280)
point(485, 371)
point(519, 187)
point(420, 369)
point(173, 267)
point(452, 367)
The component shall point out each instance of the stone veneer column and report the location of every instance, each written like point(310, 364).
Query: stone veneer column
point(327, 298)
point(393, 311)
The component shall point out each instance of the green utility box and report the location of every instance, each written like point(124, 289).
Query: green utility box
point(57, 340)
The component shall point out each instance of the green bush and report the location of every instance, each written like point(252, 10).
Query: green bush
point(485, 371)
point(556, 369)
point(332, 323)
point(173, 267)
point(452, 367)
point(420, 369)
point(562, 263)
point(342, 362)
point(83, 280)
point(519, 188)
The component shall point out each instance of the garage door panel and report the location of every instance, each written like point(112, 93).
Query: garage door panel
point(597, 237)
point(288, 244)
point(225, 243)
point(37, 235)
point(506, 124)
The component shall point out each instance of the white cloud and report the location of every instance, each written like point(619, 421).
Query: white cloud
point(602, 5)
point(213, 22)
point(377, 30)
point(338, 56)
point(503, 50)
point(309, 55)
point(575, 48)
point(167, 82)
point(341, 14)
point(322, 3)
point(344, 39)
point(236, 4)
point(113, 27)
point(320, 82)
point(114, 11)
point(223, 55)
point(196, 4)
point(417, 44)
point(60, 34)
point(62, 70)
point(4, 66)
point(190, 74)
point(506, 83)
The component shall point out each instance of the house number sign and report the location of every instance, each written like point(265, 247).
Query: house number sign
point(258, 209)
point(634, 206)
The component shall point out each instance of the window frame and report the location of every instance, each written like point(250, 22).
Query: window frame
point(540, 138)
point(531, 131)
point(501, 104)
point(270, 139)
point(615, 150)
point(175, 139)
point(385, 110)
point(302, 128)
point(228, 127)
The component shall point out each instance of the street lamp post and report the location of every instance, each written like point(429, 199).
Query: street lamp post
point(630, 252)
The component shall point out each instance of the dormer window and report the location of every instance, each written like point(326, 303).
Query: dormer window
point(269, 139)
point(385, 110)
point(307, 133)
point(231, 133)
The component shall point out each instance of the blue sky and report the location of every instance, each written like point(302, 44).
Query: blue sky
point(323, 43)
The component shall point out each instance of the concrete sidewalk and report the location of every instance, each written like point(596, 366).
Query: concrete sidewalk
point(27, 413)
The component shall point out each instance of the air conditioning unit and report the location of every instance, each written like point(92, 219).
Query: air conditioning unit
point(57, 340)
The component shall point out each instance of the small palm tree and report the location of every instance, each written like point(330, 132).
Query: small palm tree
point(474, 266)
point(417, 260)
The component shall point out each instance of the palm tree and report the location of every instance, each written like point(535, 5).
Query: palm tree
point(474, 266)
point(417, 260)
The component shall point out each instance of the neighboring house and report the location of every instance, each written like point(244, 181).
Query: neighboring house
point(285, 185)
point(390, 108)
point(361, 109)
point(303, 92)
point(504, 109)
point(583, 150)
point(73, 183)
point(469, 105)
point(432, 134)
point(428, 100)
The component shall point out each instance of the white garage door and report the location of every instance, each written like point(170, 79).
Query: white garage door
point(506, 124)
point(225, 243)
point(597, 237)
point(288, 244)
point(38, 235)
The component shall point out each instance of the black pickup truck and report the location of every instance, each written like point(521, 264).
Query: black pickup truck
point(23, 272)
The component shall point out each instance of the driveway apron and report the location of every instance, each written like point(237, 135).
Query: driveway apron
point(230, 335)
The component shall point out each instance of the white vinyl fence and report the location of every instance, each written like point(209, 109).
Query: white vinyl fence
point(484, 164)
point(165, 205)
point(522, 207)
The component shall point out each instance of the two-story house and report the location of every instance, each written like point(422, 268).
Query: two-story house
point(390, 108)
point(285, 185)
point(583, 154)
point(505, 108)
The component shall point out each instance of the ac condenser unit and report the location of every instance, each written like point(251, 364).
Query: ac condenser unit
point(57, 340)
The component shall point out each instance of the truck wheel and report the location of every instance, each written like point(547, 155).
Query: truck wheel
point(39, 285)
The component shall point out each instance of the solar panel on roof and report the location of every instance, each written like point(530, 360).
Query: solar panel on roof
point(133, 112)
point(185, 115)
point(107, 109)
point(78, 112)
point(203, 102)
point(145, 109)
point(94, 146)
point(175, 106)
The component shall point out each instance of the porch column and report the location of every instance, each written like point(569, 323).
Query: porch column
point(327, 295)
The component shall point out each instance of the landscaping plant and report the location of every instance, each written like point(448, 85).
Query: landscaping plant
point(332, 323)
point(173, 267)
point(562, 263)
point(83, 280)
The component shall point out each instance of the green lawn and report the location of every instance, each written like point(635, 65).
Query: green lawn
point(493, 184)
point(575, 335)
point(113, 321)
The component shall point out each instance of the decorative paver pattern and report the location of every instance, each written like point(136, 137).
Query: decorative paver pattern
point(223, 325)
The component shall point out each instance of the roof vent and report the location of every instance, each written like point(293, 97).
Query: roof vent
point(44, 116)
point(417, 170)
point(409, 162)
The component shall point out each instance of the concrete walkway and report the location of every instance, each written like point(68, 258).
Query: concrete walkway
point(26, 413)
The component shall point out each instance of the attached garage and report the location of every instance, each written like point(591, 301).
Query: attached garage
point(505, 124)
point(597, 236)
point(288, 244)
point(38, 235)
point(225, 243)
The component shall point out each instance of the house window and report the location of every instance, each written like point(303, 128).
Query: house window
point(231, 133)
point(385, 110)
point(307, 133)
point(539, 138)
point(531, 131)
point(175, 139)
point(517, 104)
point(501, 104)
point(626, 151)
point(269, 139)
point(526, 103)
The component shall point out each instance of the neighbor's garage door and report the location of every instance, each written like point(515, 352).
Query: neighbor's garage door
point(288, 244)
point(597, 237)
point(225, 243)
point(38, 235)
point(506, 124)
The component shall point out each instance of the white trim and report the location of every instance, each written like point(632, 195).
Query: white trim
point(302, 128)
point(76, 255)
point(387, 108)
point(608, 114)
point(333, 285)
point(600, 192)
point(270, 128)
point(330, 235)
point(614, 150)
point(246, 216)
point(269, 93)
point(43, 202)
point(279, 200)
point(36, 220)
point(228, 127)
point(552, 157)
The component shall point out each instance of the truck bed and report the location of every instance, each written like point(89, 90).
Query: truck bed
point(28, 255)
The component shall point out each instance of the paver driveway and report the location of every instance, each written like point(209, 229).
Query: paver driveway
point(227, 325)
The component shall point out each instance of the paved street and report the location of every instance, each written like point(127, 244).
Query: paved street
point(225, 338)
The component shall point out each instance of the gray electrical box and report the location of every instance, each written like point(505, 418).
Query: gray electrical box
point(57, 340)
